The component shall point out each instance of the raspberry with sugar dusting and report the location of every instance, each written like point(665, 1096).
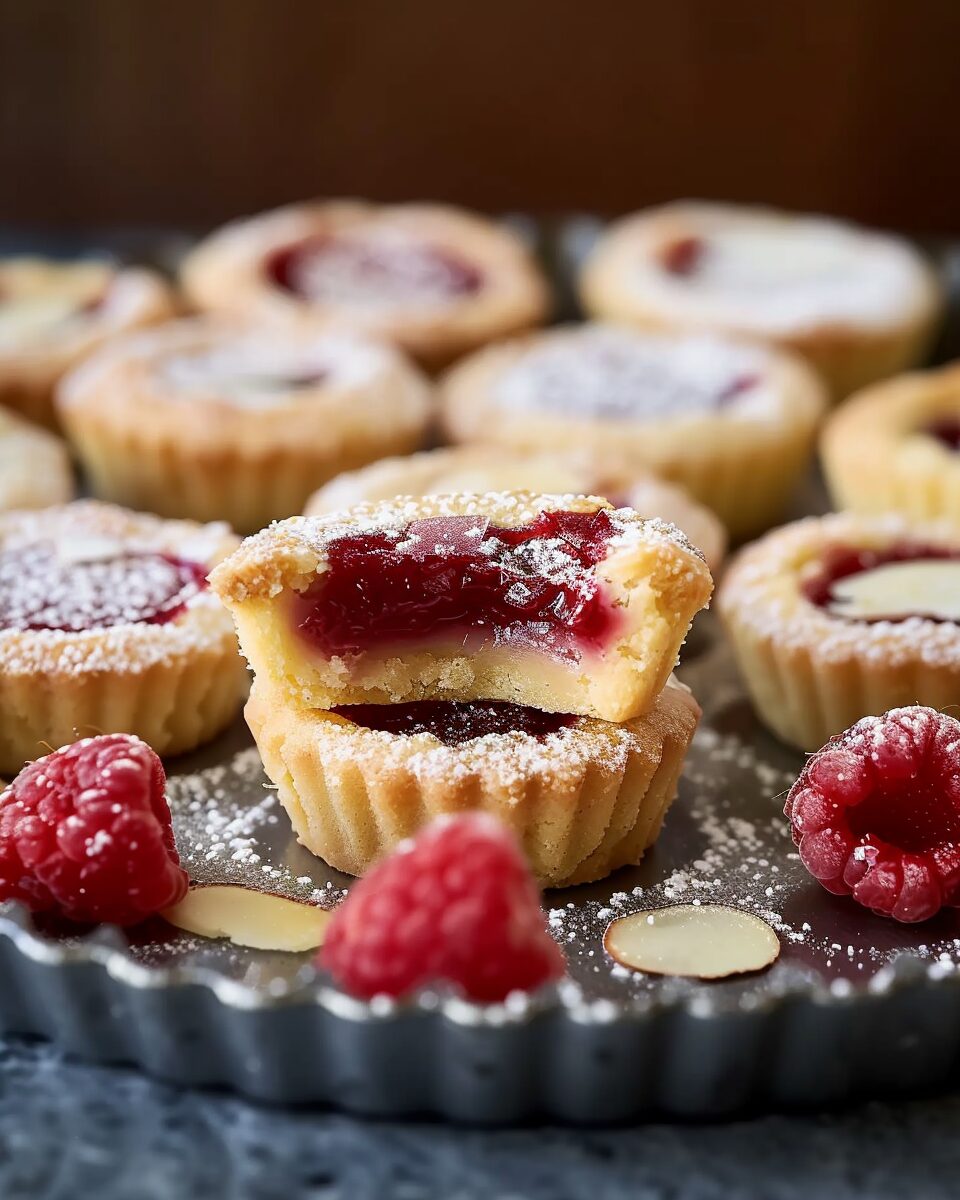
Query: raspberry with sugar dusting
point(876, 813)
point(86, 832)
point(455, 904)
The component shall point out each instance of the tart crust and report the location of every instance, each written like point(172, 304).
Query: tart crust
point(34, 465)
point(743, 461)
point(225, 273)
point(497, 469)
point(877, 456)
point(31, 365)
point(810, 673)
point(655, 579)
point(174, 684)
point(182, 445)
point(883, 329)
point(582, 801)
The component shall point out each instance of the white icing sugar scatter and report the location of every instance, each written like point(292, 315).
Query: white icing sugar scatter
point(618, 375)
point(40, 589)
point(260, 372)
point(380, 268)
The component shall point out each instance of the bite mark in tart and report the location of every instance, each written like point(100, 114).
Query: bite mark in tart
point(53, 314)
point(558, 602)
point(583, 796)
point(437, 281)
point(846, 616)
point(219, 420)
point(107, 625)
point(732, 423)
point(858, 305)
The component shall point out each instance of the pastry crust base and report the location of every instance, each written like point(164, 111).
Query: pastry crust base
point(35, 467)
point(847, 355)
point(875, 460)
point(175, 685)
point(204, 458)
point(811, 674)
point(29, 376)
point(582, 802)
point(743, 469)
point(497, 469)
point(652, 575)
point(225, 274)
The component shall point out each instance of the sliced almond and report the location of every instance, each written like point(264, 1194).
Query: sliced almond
point(698, 941)
point(260, 920)
point(923, 588)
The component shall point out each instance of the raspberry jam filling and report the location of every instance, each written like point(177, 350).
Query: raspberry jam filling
point(452, 722)
point(945, 430)
point(683, 256)
point(43, 588)
point(374, 271)
point(461, 580)
point(825, 589)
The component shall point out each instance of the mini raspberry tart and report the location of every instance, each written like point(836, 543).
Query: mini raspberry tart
point(85, 832)
point(845, 616)
point(214, 420)
point(732, 423)
point(557, 602)
point(107, 625)
point(34, 465)
point(896, 447)
point(498, 469)
point(53, 314)
point(455, 906)
point(858, 305)
point(436, 281)
point(582, 796)
point(876, 813)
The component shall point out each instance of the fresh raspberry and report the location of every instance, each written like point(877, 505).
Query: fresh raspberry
point(458, 903)
point(86, 832)
point(876, 813)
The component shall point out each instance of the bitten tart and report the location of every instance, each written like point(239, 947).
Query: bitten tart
point(34, 465)
point(896, 447)
point(211, 419)
point(437, 281)
point(856, 304)
point(498, 469)
point(583, 796)
point(732, 423)
point(845, 616)
point(53, 314)
point(562, 603)
point(107, 626)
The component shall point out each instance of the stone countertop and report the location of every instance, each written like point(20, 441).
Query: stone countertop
point(68, 1132)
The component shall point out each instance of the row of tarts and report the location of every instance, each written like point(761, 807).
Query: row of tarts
point(509, 645)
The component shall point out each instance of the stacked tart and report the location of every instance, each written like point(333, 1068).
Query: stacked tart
point(509, 652)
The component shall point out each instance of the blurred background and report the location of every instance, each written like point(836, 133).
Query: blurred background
point(183, 113)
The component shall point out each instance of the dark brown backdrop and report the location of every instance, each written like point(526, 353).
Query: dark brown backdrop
point(188, 111)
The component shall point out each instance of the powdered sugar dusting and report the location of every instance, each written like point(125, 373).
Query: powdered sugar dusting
point(609, 374)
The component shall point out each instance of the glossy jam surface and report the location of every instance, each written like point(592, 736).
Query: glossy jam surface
point(462, 580)
point(371, 271)
point(454, 723)
point(43, 588)
point(683, 256)
point(946, 430)
point(842, 562)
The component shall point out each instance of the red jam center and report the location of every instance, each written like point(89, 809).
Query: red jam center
point(454, 723)
point(464, 581)
point(683, 256)
point(840, 562)
point(946, 430)
point(41, 590)
point(351, 269)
